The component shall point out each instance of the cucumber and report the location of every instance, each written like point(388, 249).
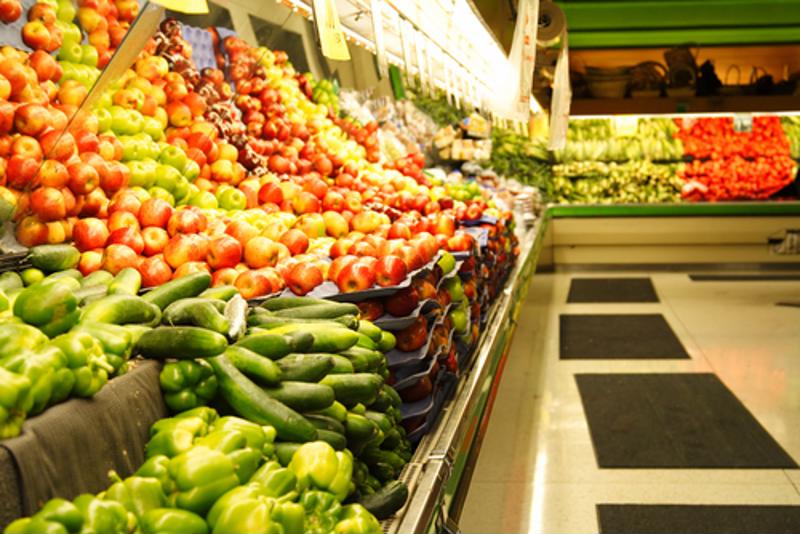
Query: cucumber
point(325, 423)
point(341, 365)
point(53, 258)
point(252, 403)
point(334, 439)
point(329, 310)
point(393, 394)
point(75, 274)
point(366, 342)
point(380, 419)
point(122, 309)
point(268, 320)
point(335, 411)
point(180, 342)
point(285, 450)
point(97, 278)
point(305, 367)
point(387, 342)
point(370, 330)
point(324, 337)
point(220, 292)
point(205, 313)
point(127, 282)
point(356, 388)
point(359, 362)
point(114, 338)
point(11, 280)
point(373, 358)
point(386, 501)
point(392, 439)
point(359, 429)
point(302, 396)
point(190, 285)
point(262, 369)
point(283, 303)
point(273, 346)
point(87, 294)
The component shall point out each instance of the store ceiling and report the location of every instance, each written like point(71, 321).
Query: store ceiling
point(663, 23)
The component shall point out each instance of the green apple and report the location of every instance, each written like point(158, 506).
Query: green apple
point(458, 318)
point(454, 287)
point(182, 189)
point(447, 262)
point(204, 199)
point(142, 174)
point(167, 177)
point(66, 11)
point(173, 156)
point(103, 119)
point(191, 170)
point(136, 121)
point(70, 51)
point(231, 198)
point(132, 148)
point(153, 128)
point(140, 192)
point(105, 100)
point(89, 56)
point(163, 194)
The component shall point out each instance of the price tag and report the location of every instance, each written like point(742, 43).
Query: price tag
point(331, 36)
point(191, 7)
point(743, 123)
point(377, 31)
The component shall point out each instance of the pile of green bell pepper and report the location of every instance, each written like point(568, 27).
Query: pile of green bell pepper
point(187, 384)
point(49, 305)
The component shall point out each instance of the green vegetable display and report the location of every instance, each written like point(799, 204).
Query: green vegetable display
point(604, 183)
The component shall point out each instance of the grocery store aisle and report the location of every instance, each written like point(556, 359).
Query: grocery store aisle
point(537, 471)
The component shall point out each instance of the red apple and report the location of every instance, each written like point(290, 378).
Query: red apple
point(31, 119)
point(117, 257)
point(91, 261)
point(155, 240)
point(363, 248)
point(341, 247)
point(253, 284)
point(412, 257)
point(445, 224)
point(335, 224)
point(303, 278)
point(48, 204)
point(338, 265)
point(261, 252)
point(125, 201)
point(460, 242)
point(357, 276)
point(10, 10)
point(305, 202)
point(365, 221)
point(224, 277)
point(21, 172)
point(127, 236)
point(295, 240)
point(270, 192)
point(122, 219)
point(399, 230)
point(242, 231)
point(89, 234)
point(53, 174)
point(223, 251)
point(333, 201)
point(186, 221)
point(58, 145)
point(31, 231)
point(191, 267)
point(83, 178)
point(413, 337)
point(155, 271)
point(402, 303)
point(155, 212)
point(390, 271)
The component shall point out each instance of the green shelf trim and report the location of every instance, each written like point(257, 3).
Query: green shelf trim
point(701, 36)
point(650, 14)
point(698, 209)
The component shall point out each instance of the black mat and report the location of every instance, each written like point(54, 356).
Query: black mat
point(673, 421)
point(618, 337)
point(611, 290)
point(744, 277)
point(701, 519)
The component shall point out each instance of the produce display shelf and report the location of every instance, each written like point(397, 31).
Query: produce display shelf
point(694, 209)
point(446, 456)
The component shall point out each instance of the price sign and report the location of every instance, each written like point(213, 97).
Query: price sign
point(743, 123)
point(331, 36)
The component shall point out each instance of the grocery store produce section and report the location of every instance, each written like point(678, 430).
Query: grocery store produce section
point(300, 313)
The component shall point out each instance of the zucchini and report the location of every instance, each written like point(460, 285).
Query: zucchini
point(285, 450)
point(127, 282)
point(283, 303)
point(386, 501)
point(220, 292)
point(122, 309)
point(341, 365)
point(356, 388)
point(190, 285)
point(273, 346)
point(250, 402)
point(258, 367)
point(302, 396)
point(180, 342)
point(325, 338)
point(97, 278)
point(205, 313)
point(329, 310)
point(305, 367)
point(54, 258)
point(325, 423)
point(334, 439)
point(268, 320)
point(370, 330)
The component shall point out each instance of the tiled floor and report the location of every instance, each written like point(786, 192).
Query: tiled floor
point(537, 471)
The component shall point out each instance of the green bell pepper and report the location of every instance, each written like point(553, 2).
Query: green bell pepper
point(50, 305)
point(290, 515)
point(246, 462)
point(172, 521)
point(248, 516)
point(175, 435)
point(35, 525)
point(275, 480)
point(45, 370)
point(239, 493)
point(86, 359)
point(103, 517)
point(116, 341)
point(318, 465)
point(187, 384)
point(158, 467)
point(16, 338)
point(322, 512)
point(201, 476)
point(209, 415)
point(56, 516)
point(137, 494)
point(14, 390)
point(225, 441)
point(355, 519)
point(257, 436)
